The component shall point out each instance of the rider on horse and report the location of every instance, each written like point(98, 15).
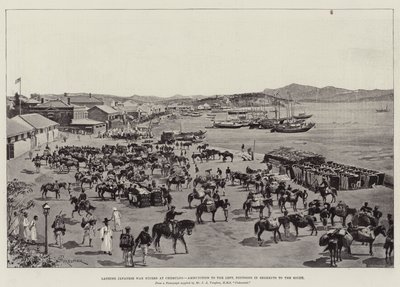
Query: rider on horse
point(170, 218)
point(366, 209)
point(82, 198)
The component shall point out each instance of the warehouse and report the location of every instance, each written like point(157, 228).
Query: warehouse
point(45, 130)
point(18, 138)
point(87, 126)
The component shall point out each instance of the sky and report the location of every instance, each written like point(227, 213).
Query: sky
point(164, 53)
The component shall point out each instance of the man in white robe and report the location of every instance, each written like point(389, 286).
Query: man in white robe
point(116, 217)
point(25, 224)
point(106, 236)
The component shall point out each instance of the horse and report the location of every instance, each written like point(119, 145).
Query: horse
point(163, 229)
point(195, 195)
point(68, 164)
point(50, 187)
point(203, 208)
point(210, 153)
point(302, 222)
point(248, 205)
point(366, 235)
point(293, 198)
point(187, 144)
point(332, 244)
point(178, 180)
point(225, 155)
point(199, 156)
point(364, 219)
point(342, 212)
point(85, 206)
point(324, 192)
point(202, 147)
point(102, 188)
point(95, 178)
point(266, 225)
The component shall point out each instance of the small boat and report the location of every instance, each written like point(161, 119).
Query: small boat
point(195, 114)
point(302, 116)
point(383, 110)
point(227, 125)
point(293, 127)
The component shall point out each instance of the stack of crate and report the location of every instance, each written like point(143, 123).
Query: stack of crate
point(156, 198)
point(144, 198)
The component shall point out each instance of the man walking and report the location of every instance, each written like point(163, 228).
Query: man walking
point(88, 228)
point(106, 236)
point(144, 240)
point(58, 229)
point(126, 243)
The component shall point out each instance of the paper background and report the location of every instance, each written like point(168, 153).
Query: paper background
point(88, 276)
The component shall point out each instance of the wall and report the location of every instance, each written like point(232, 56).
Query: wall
point(21, 146)
point(97, 115)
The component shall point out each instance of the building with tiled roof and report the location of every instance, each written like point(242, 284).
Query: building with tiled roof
point(106, 114)
point(32, 130)
point(18, 138)
point(60, 111)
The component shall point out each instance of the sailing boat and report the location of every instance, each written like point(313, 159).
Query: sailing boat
point(292, 124)
point(383, 110)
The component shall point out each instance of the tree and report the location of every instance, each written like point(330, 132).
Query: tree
point(16, 198)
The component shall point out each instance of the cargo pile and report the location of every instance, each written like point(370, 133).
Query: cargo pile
point(286, 155)
point(156, 198)
point(339, 176)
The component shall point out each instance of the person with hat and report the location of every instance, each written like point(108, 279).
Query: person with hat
point(106, 236)
point(58, 229)
point(143, 240)
point(116, 217)
point(126, 243)
point(88, 228)
point(170, 217)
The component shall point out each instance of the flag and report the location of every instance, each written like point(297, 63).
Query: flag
point(18, 81)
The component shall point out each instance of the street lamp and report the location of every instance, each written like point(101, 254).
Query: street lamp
point(46, 210)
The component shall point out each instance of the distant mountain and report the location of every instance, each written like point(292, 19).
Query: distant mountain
point(297, 92)
point(304, 93)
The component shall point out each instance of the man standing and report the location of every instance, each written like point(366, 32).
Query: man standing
point(126, 243)
point(144, 240)
point(225, 207)
point(228, 173)
point(25, 224)
point(116, 217)
point(32, 228)
point(106, 236)
point(219, 172)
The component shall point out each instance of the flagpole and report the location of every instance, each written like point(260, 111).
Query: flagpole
point(20, 83)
